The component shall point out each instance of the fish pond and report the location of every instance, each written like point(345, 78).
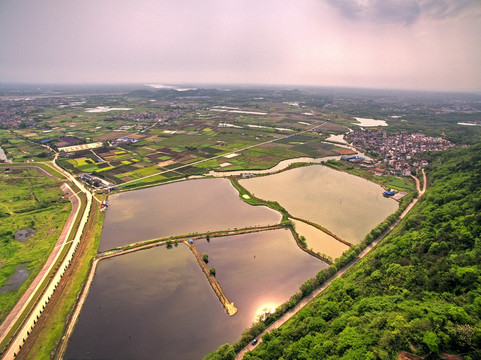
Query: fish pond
point(365, 122)
point(158, 304)
point(179, 209)
point(319, 241)
point(346, 205)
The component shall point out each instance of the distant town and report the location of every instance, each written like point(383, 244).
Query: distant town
point(400, 152)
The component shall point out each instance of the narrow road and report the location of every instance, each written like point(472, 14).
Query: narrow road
point(218, 156)
point(341, 272)
point(63, 289)
point(35, 167)
point(51, 260)
point(30, 321)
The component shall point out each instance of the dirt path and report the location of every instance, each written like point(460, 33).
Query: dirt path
point(38, 168)
point(27, 296)
point(228, 306)
point(341, 272)
point(156, 242)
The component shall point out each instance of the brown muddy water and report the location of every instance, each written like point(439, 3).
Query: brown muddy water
point(177, 209)
point(319, 241)
point(347, 205)
point(157, 303)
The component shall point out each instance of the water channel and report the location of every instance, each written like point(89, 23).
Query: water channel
point(282, 165)
point(157, 303)
point(347, 205)
point(179, 208)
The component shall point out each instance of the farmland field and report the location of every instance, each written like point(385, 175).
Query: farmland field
point(28, 200)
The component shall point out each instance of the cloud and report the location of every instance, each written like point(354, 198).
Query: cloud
point(403, 11)
point(441, 9)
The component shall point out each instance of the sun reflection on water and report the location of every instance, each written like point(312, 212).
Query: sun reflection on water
point(265, 310)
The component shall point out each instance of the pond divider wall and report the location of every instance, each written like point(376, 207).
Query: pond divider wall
point(229, 306)
point(323, 229)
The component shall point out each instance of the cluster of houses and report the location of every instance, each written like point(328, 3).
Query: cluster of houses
point(23, 112)
point(124, 141)
point(148, 116)
point(400, 151)
point(94, 181)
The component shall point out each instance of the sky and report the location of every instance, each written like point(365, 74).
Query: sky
point(396, 44)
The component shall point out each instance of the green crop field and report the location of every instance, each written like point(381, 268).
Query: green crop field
point(28, 199)
point(400, 183)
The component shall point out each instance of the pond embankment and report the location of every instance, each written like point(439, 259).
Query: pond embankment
point(229, 306)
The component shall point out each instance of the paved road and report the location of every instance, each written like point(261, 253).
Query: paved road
point(32, 289)
point(37, 310)
point(341, 272)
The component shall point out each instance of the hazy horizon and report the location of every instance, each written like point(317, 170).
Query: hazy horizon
point(428, 45)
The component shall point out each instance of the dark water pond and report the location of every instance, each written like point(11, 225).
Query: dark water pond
point(177, 209)
point(16, 279)
point(157, 303)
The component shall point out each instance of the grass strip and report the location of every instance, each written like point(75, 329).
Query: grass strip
point(44, 284)
point(55, 326)
point(252, 200)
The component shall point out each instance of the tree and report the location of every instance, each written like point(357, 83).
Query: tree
point(205, 257)
point(431, 340)
point(303, 241)
point(307, 288)
point(212, 271)
point(224, 352)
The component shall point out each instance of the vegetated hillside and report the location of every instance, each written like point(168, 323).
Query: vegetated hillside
point(419, 291)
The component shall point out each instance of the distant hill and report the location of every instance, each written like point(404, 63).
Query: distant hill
point(418, 291)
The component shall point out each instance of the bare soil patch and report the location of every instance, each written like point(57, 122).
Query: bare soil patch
point(165, 163)
point(345, 151)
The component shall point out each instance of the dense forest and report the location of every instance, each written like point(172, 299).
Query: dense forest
point(418, 291)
